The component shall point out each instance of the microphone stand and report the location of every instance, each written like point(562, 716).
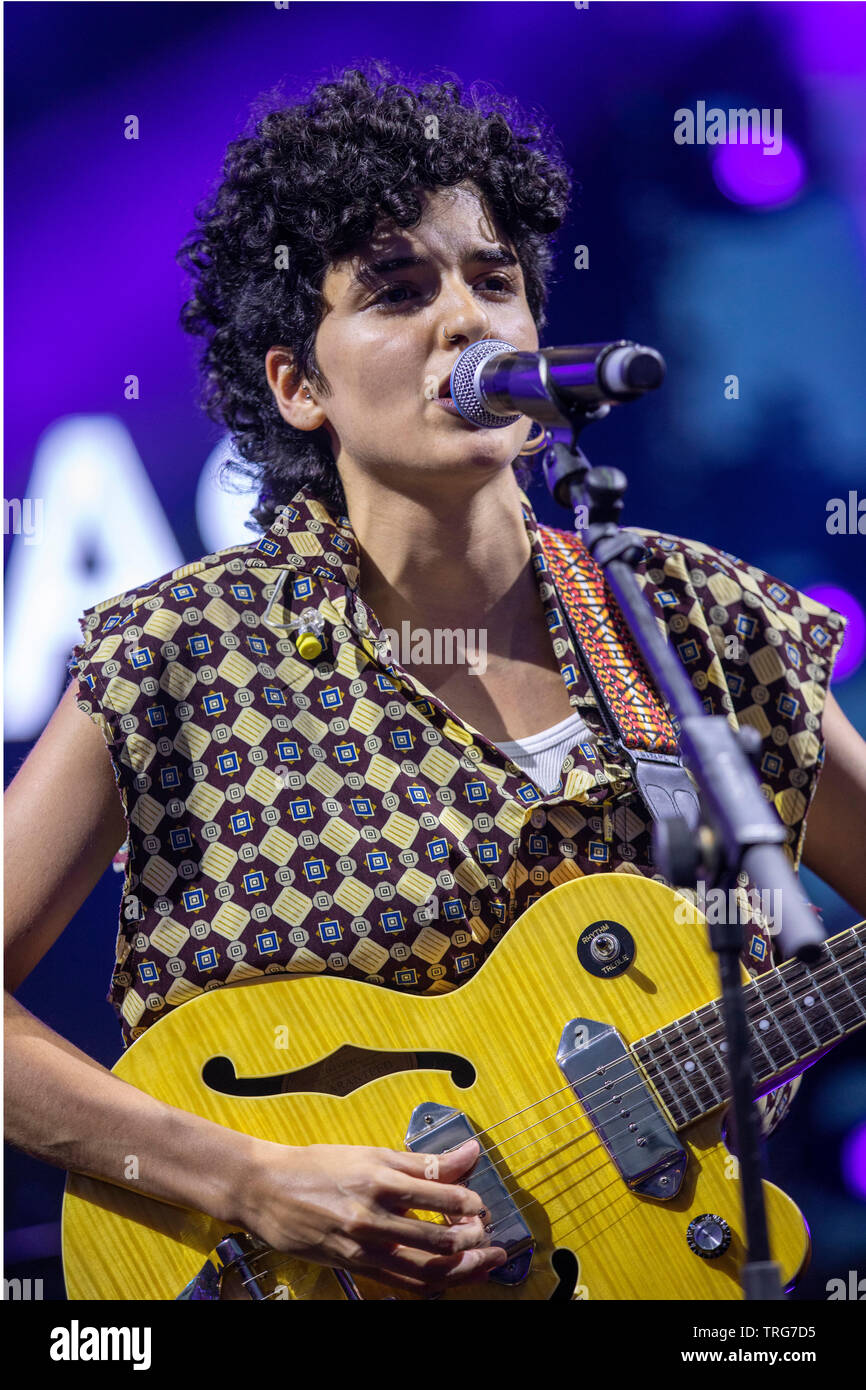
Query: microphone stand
point(740, 830)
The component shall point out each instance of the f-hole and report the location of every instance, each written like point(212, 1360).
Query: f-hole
point(565, 1265)
point(338, 1075)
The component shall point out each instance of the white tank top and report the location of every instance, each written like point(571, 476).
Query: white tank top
point(541, 755)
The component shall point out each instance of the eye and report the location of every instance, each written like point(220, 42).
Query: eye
point(504, 281)
point(382, 300)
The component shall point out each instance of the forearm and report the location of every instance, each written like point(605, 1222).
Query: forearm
point(68, 1110)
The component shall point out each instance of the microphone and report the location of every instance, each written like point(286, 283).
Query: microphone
point(493, 383)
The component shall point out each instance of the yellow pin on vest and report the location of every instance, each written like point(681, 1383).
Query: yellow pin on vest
point(309, 638)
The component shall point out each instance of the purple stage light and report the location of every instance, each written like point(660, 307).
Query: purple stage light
point(853, 647)
point(746, 175)
point(854, 1161)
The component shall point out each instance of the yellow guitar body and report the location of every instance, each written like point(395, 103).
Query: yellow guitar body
point(507, 1021)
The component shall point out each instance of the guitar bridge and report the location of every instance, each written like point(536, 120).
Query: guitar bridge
point(233, 1255)
point(435, 1129)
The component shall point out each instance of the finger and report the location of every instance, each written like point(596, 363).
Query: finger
point(452, 1200)
point(444, 1167)
point(438, 1272)
point(429, 1236)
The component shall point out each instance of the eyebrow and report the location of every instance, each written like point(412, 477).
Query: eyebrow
point(370, 271)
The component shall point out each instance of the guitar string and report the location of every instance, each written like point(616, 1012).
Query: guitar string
point(544, 1157)
point(665, 1070)
point(788, 1001)
point(492, 1226)
point(846, 1005)
point(754, 1008)
point(611, 1134)
point(772, 1003)
point(513, 1207)
point(587, 1133)
point(640, 1084)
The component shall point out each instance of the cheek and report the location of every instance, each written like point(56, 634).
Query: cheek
point(374, 363)
point(524, 325)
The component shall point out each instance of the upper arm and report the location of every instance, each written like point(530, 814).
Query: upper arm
point(835, 840)
point(63, 823)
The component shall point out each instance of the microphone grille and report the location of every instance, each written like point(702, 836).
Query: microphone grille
point(466, 394)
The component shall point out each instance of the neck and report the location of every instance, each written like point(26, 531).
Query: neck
point(796, 1013)
point(443, 559)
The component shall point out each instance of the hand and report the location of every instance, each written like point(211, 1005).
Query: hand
point(345, 1206)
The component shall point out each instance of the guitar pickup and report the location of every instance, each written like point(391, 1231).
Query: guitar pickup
point(621, 1108)
point(434, 1129)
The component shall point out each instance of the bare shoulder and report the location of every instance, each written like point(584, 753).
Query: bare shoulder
point(835, 836)
point(63, 822)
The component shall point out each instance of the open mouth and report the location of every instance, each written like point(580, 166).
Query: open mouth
point(445, 400)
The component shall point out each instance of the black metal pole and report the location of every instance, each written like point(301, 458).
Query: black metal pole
point(739, 825)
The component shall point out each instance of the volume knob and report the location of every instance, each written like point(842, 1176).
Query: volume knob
point(709, 1236)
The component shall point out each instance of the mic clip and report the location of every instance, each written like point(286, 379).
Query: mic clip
point(309, 634)
point(307, 628)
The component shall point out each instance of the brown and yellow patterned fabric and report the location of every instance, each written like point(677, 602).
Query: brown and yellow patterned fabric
point(334, 816)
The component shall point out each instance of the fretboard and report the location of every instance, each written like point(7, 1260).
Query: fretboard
point(795, 1013)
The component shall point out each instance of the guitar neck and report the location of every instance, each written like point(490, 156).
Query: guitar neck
point(795, 1014)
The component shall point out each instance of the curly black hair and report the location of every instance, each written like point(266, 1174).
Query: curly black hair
point(316, 177)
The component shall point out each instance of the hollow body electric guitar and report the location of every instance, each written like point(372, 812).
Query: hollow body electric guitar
point(587, 1057)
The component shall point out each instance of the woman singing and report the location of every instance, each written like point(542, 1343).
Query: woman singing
point(300, 788)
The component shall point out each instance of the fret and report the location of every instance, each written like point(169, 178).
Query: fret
point(679, 1047)
point(756, 1036)
point(643, 1051)
point(678, 1073)
point(757, 1047)
point(720, 1043)
point(803, 982)
point(794, 1009)
point(716, 1044)
point(716, 1095)
point(801, 1015)
point(770, 1031)
point(846, 975)
point(859, 939)
point(680, 1106)
point(815, 988)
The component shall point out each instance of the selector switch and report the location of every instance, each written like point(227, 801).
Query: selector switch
point(709, 1236)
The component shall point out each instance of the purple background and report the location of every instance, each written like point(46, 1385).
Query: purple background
point(686, 253)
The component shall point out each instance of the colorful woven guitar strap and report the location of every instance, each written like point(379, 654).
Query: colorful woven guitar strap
point(638, 721)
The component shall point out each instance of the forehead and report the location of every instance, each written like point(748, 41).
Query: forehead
point(453, 220)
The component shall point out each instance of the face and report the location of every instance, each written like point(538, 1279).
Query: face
point(390, 336)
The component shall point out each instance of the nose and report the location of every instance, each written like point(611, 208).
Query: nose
point(461, 317)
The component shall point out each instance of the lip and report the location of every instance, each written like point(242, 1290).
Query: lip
point(446, 404)
point(444, 387)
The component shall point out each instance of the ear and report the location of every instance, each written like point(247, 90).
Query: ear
point(292, 392)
